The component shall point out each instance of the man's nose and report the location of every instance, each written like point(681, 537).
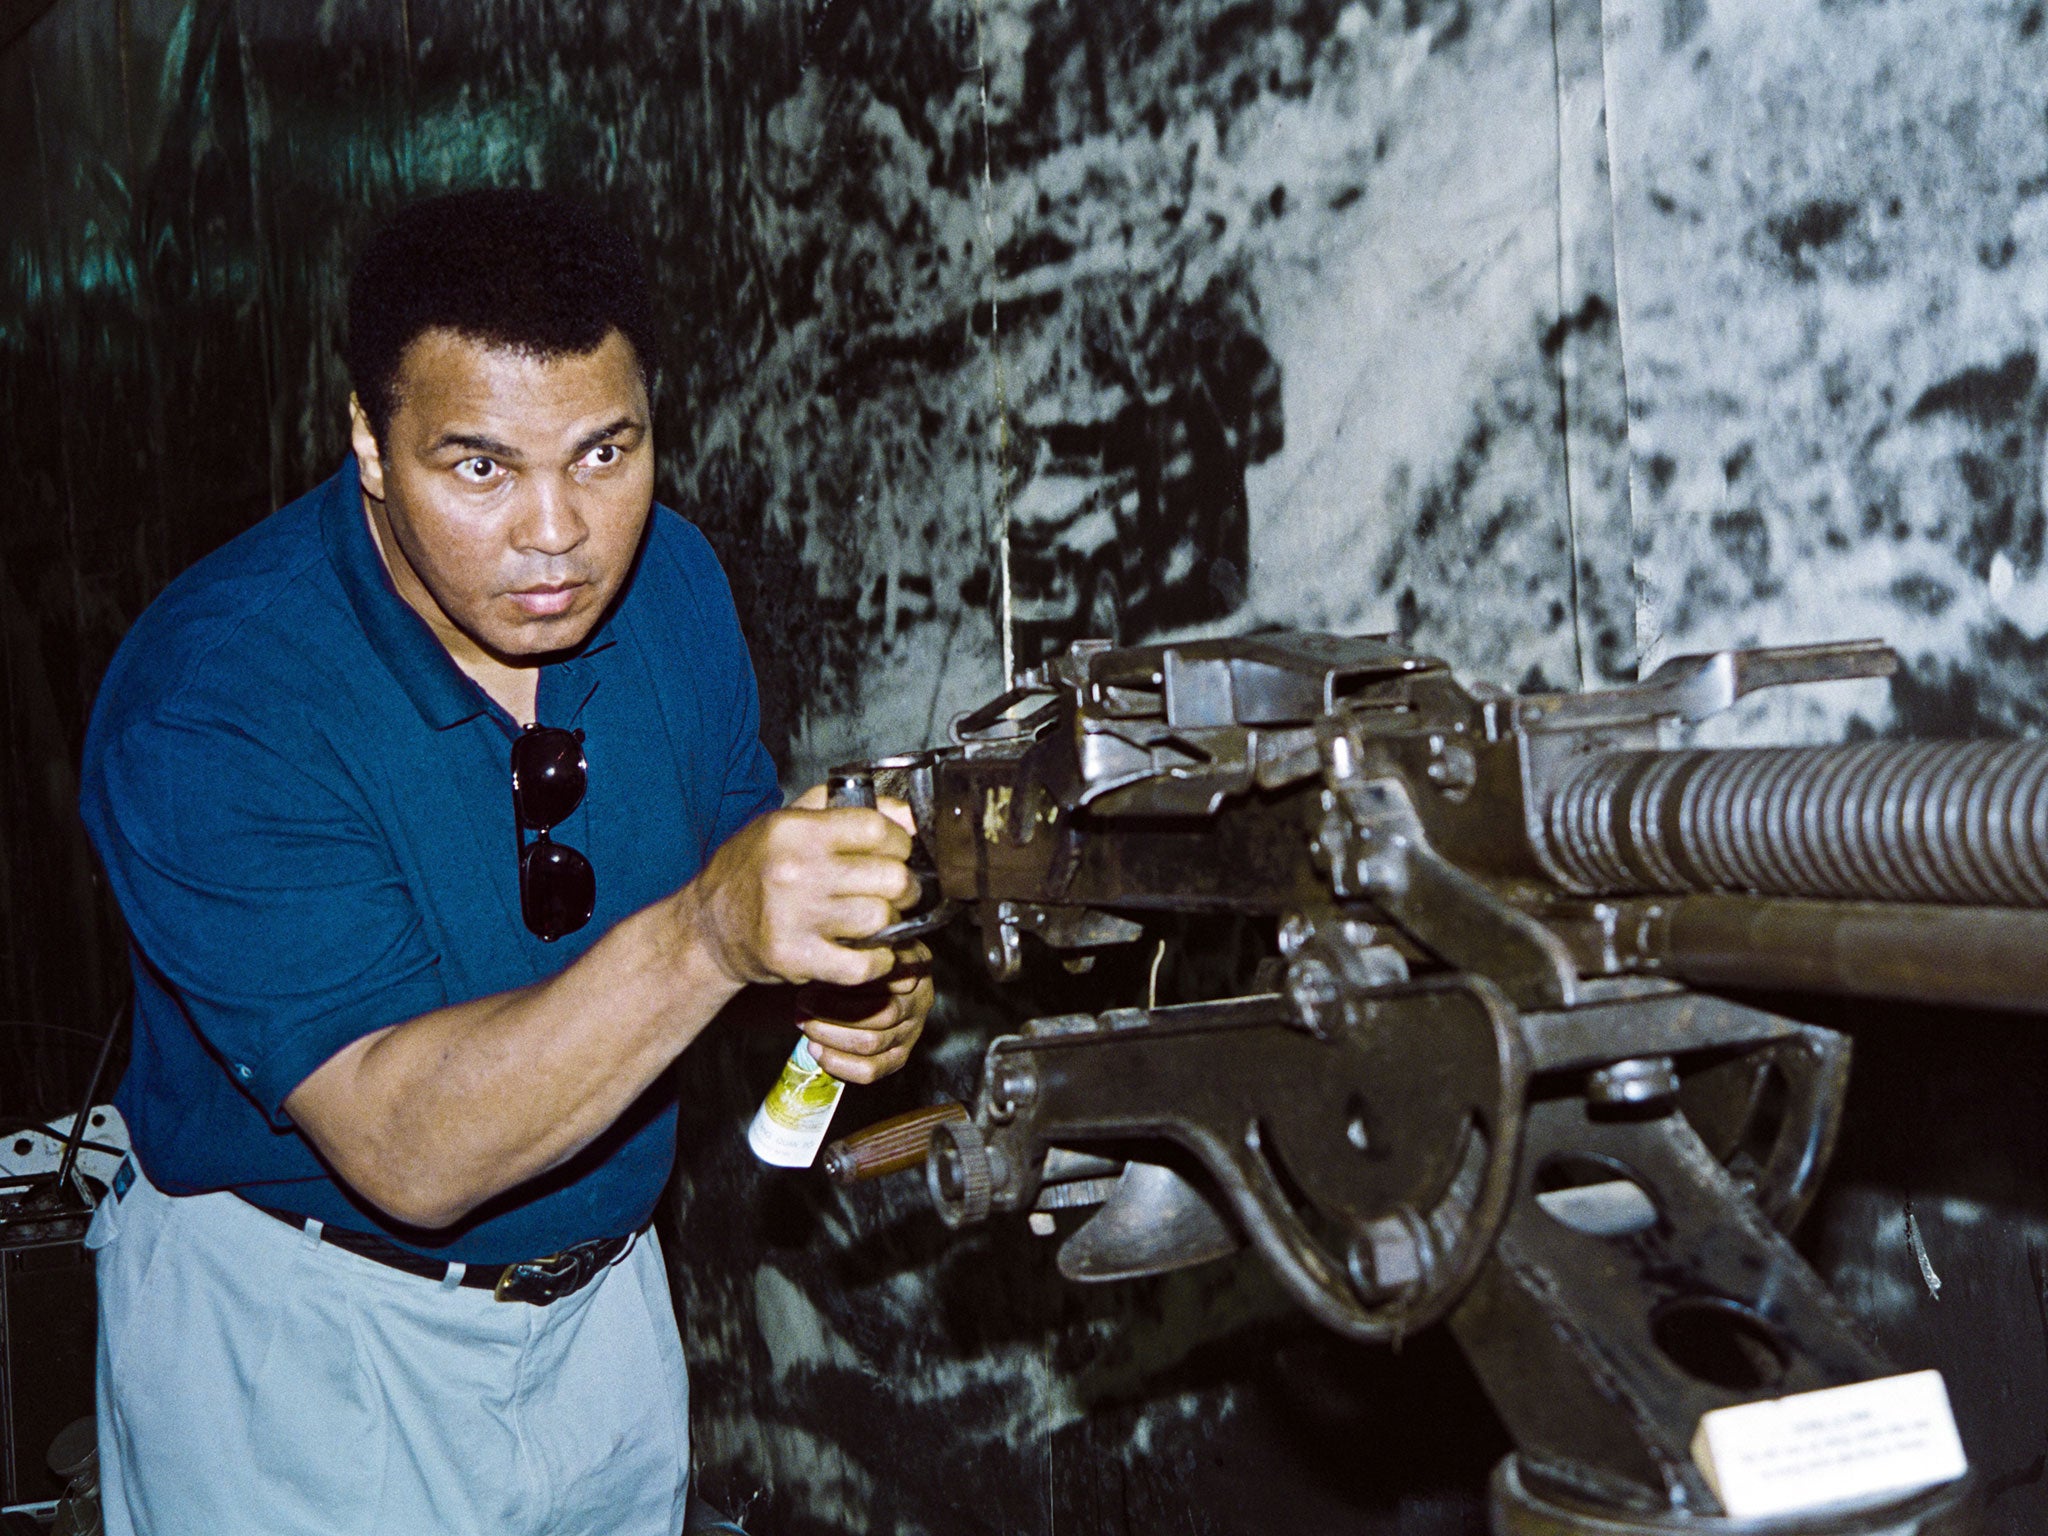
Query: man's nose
point(551, 522)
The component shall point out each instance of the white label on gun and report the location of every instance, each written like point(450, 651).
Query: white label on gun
point(1842, 1445)
point(791, 1123)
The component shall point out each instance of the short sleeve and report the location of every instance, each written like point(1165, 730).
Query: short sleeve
point(261, 893)
point(751, 786)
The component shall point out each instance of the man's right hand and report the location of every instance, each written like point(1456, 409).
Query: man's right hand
point(775, 899)
point(430, 1118)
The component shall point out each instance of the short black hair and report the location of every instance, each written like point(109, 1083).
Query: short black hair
point(527, 271)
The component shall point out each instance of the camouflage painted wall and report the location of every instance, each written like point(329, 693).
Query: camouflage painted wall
point(1559, 335)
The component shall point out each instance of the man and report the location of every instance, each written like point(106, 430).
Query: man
point(437, 811)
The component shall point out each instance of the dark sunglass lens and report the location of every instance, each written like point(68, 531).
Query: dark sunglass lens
point(557, 889)
point(547, 776)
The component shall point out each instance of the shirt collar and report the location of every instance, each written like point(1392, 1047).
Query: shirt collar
point(442, 692)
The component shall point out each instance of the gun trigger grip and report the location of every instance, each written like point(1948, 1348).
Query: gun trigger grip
point(909, 929)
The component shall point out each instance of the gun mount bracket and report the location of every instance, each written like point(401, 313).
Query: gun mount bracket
point(1373, 1200)
point(1374, 847)
point(1697, 687)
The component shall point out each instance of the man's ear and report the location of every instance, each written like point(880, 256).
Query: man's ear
point(369, 457)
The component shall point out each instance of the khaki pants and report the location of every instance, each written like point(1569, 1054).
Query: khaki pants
point(254, 1381)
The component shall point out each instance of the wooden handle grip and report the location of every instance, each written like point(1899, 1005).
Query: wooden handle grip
point(889, 1146)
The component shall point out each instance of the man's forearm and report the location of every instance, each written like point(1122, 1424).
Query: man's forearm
point(430, 1118)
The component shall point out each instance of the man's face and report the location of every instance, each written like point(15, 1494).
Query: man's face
point(511, 491)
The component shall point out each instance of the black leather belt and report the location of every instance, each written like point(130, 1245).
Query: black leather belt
point(534, 1281)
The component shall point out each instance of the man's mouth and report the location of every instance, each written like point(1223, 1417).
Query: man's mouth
point(548, 599)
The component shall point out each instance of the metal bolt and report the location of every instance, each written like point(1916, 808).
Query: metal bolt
point(1385, 1258)
point(1000, 950)
point(1016, 1084)
point(853, 786)
point(1317, 995)
point(1452, 768)
point(1639, 1082)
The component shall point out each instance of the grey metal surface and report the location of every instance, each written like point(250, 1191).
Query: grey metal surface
point(1153, 1222)
point(1987, 958)
point(1964, 822)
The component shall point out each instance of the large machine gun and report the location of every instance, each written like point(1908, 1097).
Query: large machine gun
point(1490, 1078)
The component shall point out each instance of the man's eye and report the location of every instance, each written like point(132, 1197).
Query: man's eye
point(603, 456)
point(477, 470)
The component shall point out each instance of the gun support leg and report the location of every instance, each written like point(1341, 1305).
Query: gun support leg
point(1635, 1286)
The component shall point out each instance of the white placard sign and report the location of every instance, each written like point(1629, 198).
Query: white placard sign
point(1841, 1445)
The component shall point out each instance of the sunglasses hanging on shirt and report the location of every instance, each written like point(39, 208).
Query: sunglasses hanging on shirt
point(557, 886)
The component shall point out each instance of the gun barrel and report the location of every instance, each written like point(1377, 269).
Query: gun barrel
point(1952, 822)
point(1927, 954)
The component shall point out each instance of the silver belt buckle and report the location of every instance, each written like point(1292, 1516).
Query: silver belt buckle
point(540, 1281)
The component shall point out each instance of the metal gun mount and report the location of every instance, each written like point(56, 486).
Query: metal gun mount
point(1481, 1087)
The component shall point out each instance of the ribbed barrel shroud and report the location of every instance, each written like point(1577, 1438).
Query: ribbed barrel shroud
point(1944, 822)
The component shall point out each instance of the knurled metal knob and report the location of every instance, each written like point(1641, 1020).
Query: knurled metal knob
point(960, 1173)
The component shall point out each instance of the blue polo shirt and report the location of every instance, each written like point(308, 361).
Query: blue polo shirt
point(305, 811)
